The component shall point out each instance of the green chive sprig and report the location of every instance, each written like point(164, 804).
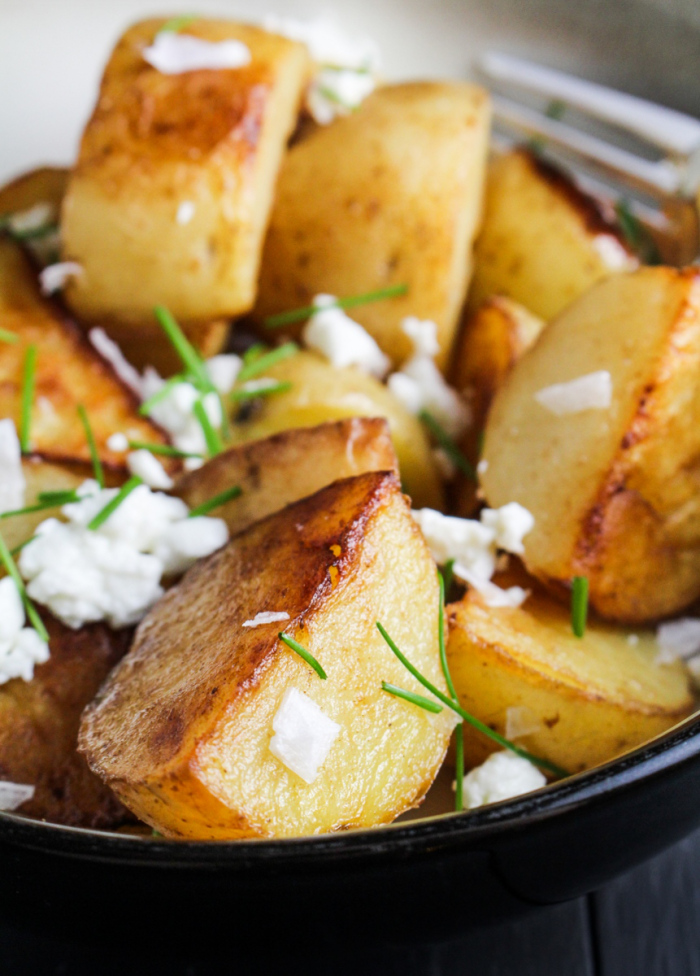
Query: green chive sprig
point(9, 337)
point(459, 731)
point(111, 506)
point(28, 384)
point(636, 234)
point(161, 394)
point(216, 502)
point(189, 356)
point(211, 435)
point(31, 611)
point(301, 314)
point(253, 393)
point(92, 447)
point(303, 653)
point(176, 24)
point(266, 361)
point(448, 445)
point(165, 450)
point(579, 605)
point(412, 697)
point(45, 501)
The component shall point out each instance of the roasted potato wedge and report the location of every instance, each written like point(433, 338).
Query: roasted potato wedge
point(390, 195)
point(543, 241)
point(288, 466)
point(613, 491)
point(320, 392)
point(68, 373)
point(44, 185)
point(40, 475)
point(213, 139)
point(181, 730)
point(586, 699)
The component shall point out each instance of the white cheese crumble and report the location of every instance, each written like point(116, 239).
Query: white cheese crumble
point(503, 776)
point(119, 443)
point(20, 647)
point(341, 340)
point(267, 617)
point(149, 469)
point(614, 254)
point(521, 721)
point(54, 277)
point(482, 467)
point(185, 213)
point(590, 392)
point(174, 53)
point(112, 354)
point(33, 219)
point(114, 573)
point(678, 639)
point(12, 483)
point(13, 795)
point(223, 371)
point(509, 524)
point(303, 735)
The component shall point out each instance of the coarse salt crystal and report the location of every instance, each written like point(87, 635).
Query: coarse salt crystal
point(173, 53)
point(590, 392)
point(303, 735)
point(266, 617)
point(678, 639)
point(54, 276)
point(185, 213)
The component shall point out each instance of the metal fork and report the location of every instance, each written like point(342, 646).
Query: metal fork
point(647, 155)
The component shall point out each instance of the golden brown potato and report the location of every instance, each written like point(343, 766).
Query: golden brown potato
point(389, 195)
point(613, 491)
point(181, 730)
point(68, 373)
point(544, 241)
point(39, 476)
point(39, 723)
point(320, 392)
point(211, 138)
point(44, 185)
point(581, 701)
point(281, 469)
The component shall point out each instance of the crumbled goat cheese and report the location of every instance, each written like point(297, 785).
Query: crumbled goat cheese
point(13, 795)
point(223, 371)
point(267, 617)
point(174, 53)
point(148, 468)
point(185, 213)
point(114, 573)
point(590, 392)
point(341, 340)
point(303, 734)
point(521, 721)
point(55, 276)
point(119, 443)
point(20, 647)
point(112, 354)
point(492, 595)
point(336, 92)
point(509, 524)
point(423, 335)
point(503, 776)
point(35, 218)
point(678, 638)
point(614, 253)
point(11, 477)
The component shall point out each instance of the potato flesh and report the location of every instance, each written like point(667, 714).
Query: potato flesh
point(543, 241)
point(181, 729)
point(594, 698)
point(390, 195)
point(613, 491)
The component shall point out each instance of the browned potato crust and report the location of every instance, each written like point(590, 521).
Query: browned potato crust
point(44, 185)
point(181, 728)
point(288, 466)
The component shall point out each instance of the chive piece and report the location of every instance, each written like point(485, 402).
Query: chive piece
point(166, 450)
point(28, 382)
point(92, 446)
point(448, 574)
point(114, 504)
point(254, 352)
point(216, 501)
point(302, 652)
point(579, 605)
point(189, 356)
point(260, 391)
point(459, 731)
point(300, 314)
point(162, 393)
point(211, 436)
point(58, 497)
point(36, 234)
point(636, 234)
point(34, 618)
point(10, 337)
point(412, 697)
point(555, 110)
point(267, 361)
point(332, 96)
point(448, 445)
point(176, 24)
point(466, 716)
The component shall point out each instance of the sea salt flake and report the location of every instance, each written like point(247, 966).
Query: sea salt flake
point(266, 617)
point(303, 735)
point(590, 392)
point(173, 53)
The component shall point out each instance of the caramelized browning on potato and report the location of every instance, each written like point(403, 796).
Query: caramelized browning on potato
point(288, 466)
point(390, 195)
point(45, 185)
point(181, 730)
point(613, 491)
point(579, 701)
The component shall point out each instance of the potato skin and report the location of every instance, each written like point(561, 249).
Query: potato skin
point(181, 728)
point(543, 242)
point(44, 185)
point(613, 492)
point(288, 466)
point(390, 195)
point(595, 697)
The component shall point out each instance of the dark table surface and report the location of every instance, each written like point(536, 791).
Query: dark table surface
point(644, 924)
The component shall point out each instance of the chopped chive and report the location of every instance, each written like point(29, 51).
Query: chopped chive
point(330, 66)
point(636, 234)
point(411, 696)
point(190, 358)
point(166, 450)
point(35, 234)
point(466, 716)
point(34, 618)
point(579, 605)
point(216, 502)
point(41, 506)
point(459, 731)
point(252, 393)
point(555, 110)
point(448, 445)
point(254, 352)
point(114, 504)
point(211, 435)
point(302, 652)
point(267, 361)
point(336, 99)
point(28, 382)
point(300, 314)
point(162, 393)
point(10, 337)
point(92, 447)
point(176, 24)
point(58, 497)
point(448, 574)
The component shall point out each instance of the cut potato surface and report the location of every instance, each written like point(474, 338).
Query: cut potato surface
point(288, 466)
point(544, 241)
point(580, 701)
point(181, 730)
point(44, 185)
point(613, 491)
point(390, 195)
